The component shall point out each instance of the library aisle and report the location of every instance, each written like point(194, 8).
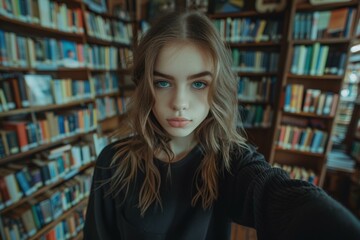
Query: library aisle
point(65, 79)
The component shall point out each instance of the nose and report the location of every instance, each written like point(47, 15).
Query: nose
point(180, 100)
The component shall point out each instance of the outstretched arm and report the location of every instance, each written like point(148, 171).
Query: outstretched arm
point(280, 208)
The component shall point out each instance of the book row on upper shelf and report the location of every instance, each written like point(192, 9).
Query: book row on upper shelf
point(300, 173)
point(20, 135)
point(318, 59)
point(242, 30)
point(64, 16)
point(48, 127)
point(108, 29)
point(254, 61)
point(335, 23)
point(50, 53)
point(32, 90)
point(26, 220)
point(250, 89)
point(311, 101)
point(50, 14)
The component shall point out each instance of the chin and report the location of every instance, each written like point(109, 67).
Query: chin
point(180, 133)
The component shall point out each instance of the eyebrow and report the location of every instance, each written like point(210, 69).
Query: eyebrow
point(194, 76)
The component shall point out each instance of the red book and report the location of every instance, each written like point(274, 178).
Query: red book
point(20, 128)
point(4, 191)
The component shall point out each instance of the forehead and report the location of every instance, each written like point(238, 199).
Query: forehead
point(180, 58)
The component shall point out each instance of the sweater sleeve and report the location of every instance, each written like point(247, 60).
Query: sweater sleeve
point(280, 208)
point(100, 221)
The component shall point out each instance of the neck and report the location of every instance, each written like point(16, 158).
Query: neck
point(180, 147)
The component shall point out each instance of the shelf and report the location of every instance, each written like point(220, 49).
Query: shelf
point(112, 94)
point(42, 190)
point(41, 148)
point(52, 224)
point(322, 41)
point(309, 115)
point(253, 44)
point(45, 108)
point(310, 7)
point(311, 154)
point(98, 41)
point(37, 29)
point(245, 14)
point(315, 77)
point(27, 69)
point(256, 74)
point(242, 101)
point(109, 118)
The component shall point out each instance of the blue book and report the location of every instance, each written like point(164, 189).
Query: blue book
point(23, 183)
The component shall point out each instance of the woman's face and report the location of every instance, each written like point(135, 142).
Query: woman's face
point(182, 76)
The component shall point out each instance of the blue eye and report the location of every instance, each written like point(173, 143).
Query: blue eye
point(162, 84)
point(199, 85)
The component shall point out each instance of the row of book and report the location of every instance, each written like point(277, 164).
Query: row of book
point(108, 29)
point(300, 173)
point(50, 53)
point(238, 30)
point(324, 24)
point(110, 106)
point(301, 139)
point(255, 116)
point(317, 59)
point(47, 168)
point(23, 179)
point(313, 101)
point(40, 90)
point(256, 90)
point(48, 207)
point(49, 127)
point(46, 13)
point(254, 61)
point(68, 228)
point(105, 83)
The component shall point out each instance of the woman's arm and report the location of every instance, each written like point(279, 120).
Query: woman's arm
point(100, 222)
point(280, 208)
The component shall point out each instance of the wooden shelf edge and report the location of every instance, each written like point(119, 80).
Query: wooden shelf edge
point(45, 108)
point(318, 155)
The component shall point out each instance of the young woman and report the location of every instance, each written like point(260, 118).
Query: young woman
point(186, 172)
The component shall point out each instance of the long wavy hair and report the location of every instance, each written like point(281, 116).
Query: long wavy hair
point(217, 135)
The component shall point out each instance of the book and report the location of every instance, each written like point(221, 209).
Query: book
point(39, 89)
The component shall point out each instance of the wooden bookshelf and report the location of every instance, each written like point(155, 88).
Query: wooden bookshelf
point(324, 82)
point(76, 33)
point(276, 44)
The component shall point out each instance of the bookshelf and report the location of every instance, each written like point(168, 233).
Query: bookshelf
point(352, 137)
point(257, 43)
point(64, 82)
point(319, 39)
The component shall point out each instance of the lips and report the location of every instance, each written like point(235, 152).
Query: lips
point(178, 122)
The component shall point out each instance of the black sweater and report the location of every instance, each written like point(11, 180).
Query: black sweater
point(253, 194)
